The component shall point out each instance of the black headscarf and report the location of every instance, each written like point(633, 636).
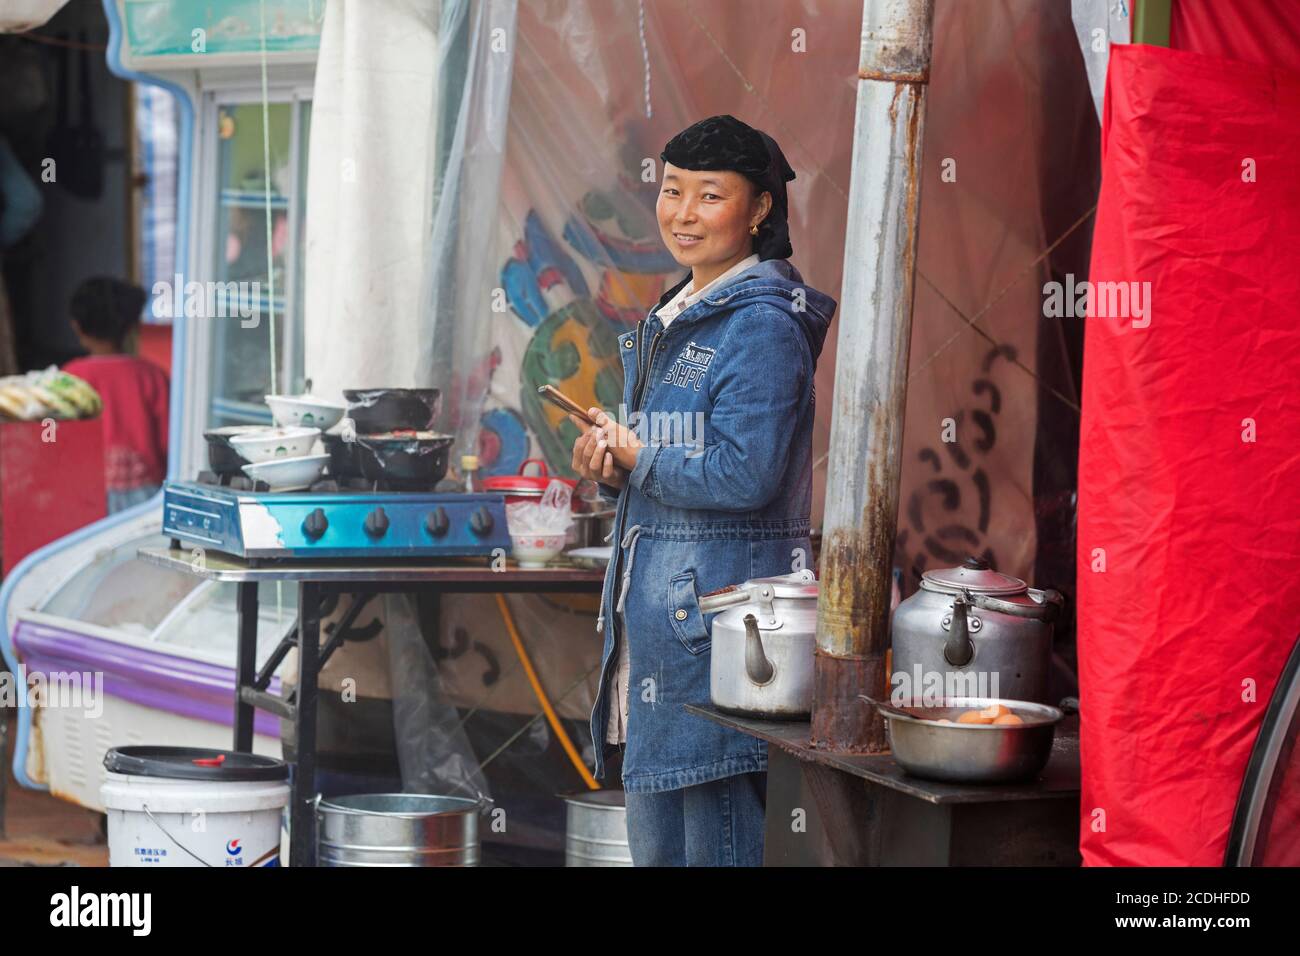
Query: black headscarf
point(725, 143)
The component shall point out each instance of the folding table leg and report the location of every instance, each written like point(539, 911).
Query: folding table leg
point(245, 662)
point(302, 810)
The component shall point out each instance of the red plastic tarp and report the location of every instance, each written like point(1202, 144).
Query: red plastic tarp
point(1265, 32)
point(1189, 464)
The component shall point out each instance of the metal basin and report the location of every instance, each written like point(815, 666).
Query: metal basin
point(972, 753)
point(595, 833)
point(397, 829)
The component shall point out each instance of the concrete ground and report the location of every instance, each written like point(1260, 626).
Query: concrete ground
point(40, 830)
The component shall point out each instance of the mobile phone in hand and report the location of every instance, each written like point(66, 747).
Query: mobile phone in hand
point(560, 400)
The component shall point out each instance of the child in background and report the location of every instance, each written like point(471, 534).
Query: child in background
point(104, 313)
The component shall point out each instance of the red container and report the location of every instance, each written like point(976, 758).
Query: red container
point(51, 482)
point(526, 487)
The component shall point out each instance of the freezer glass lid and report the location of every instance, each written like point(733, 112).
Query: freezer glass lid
point(120, 592)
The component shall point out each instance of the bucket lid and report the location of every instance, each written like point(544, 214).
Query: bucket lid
point(193, 763)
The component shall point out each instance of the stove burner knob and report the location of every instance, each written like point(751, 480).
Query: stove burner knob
point(480, 522)
point(436, 522)
point(377, 523)
point(314, 525)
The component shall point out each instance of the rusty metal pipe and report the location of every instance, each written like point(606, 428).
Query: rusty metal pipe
point(875, 328)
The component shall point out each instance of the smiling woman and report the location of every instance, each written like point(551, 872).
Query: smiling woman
point(708, 219)
point(733, 347)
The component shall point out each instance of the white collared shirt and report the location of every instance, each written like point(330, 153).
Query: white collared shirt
point(686, 297)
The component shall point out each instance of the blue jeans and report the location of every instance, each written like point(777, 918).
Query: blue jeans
point(719, 823)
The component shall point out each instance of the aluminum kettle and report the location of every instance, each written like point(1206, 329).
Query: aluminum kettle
point(763, 641)
point(973, 632)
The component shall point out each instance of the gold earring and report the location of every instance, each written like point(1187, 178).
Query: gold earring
point(753, 230)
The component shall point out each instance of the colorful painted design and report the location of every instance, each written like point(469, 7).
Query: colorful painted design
point(574, 345)
point(503, 442)
point(576, 351)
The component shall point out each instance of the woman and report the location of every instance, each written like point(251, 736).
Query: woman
point(727, 360)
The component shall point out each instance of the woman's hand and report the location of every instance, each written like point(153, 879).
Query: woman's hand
point(623, 443)
point(593, 458)
point(605, 452)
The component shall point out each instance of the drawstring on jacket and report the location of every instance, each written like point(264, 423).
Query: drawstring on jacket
point(630, 542)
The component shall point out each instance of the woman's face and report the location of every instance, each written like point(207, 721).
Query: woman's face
point(704, 215)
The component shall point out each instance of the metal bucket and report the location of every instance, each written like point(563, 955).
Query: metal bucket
point(596, 829)
point(397, 829)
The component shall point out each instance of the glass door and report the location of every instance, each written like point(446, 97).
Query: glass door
point(245, 224)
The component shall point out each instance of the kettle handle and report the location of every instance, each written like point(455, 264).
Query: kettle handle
point(730, 596)
point(738, 594)
point(1047, 608)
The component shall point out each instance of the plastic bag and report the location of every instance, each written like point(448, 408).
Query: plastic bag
point(551, 515)
point(433, 752)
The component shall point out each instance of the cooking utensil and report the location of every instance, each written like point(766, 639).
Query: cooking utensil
point(288, 474)
point(969, 753)
point(263, 443)
point(223, 459)
point(592, 528)
point(982, 633)
point(404, 457)
point(343, 455)
point(305, 410)
point(377, 411)
point(763, 640)
point(523, 486)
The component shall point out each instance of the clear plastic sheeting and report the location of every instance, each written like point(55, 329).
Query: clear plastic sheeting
point(433, 750)
point(1010, 175)
point(1098, 24)
point(533, 278)
point(477, 49)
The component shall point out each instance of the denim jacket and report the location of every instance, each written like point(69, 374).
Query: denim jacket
point(720, 494)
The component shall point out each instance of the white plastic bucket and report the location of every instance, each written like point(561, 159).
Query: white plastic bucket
point(166, 810)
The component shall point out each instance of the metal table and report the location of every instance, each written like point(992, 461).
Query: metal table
point(320, 583)
point(865, 810)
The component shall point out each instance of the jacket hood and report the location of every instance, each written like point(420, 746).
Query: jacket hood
point(778, 283)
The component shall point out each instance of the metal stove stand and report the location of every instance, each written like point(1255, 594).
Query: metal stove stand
point(320, 585)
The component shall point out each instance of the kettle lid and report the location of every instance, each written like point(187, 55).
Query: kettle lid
point(973, 575)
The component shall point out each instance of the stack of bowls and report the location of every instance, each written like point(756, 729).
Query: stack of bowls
point(283, 455)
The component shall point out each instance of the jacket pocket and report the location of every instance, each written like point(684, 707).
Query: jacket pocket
point(684, 610)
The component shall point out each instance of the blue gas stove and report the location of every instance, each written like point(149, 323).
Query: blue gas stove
point(333, 522)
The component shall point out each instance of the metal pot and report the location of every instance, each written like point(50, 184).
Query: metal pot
point(970, 753)
point(419, 457)
point(222, 457)
point(763, 640)
point(972, 632)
